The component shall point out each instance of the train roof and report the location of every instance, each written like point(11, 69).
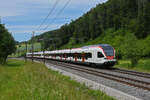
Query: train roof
point(101, 45)
point(74, 49)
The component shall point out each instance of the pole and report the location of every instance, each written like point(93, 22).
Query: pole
point(26, 52)
point(44, 55)
point(43, 49)
point(0, 20)
point(32, 45)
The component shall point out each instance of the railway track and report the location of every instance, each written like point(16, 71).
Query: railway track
point(124, 80)
point(140, 74)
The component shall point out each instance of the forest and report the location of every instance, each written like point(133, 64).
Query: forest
point(124, 24)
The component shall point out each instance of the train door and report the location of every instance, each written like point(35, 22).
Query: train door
point(75, 56)
point(94, 56)
point(83, 57)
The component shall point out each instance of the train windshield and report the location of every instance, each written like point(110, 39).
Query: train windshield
point(109, 51)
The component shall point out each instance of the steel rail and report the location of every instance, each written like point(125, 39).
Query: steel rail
point(142, 84)
point(140, 74)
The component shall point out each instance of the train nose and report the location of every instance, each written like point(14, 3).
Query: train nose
point(110, 57)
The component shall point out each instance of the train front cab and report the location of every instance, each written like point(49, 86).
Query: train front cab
point(105, 56)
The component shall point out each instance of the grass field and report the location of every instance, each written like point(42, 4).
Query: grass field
point(22, 49)
point(37, 47)
point(33, 81)
point(142, 66)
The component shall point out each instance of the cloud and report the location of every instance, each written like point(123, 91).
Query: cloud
point(24, 32)
point(21, 29)
point(24, 16)
point(22, 7)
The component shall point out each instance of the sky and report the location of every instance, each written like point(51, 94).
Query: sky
point(22, 17)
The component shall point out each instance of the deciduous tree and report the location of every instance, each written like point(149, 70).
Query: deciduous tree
point(7, 44)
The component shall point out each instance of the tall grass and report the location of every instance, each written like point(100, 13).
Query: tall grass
point(33, 81)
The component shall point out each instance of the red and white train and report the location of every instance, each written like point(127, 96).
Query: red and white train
point(101, 54)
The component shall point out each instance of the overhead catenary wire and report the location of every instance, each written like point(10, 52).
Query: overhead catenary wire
point(66, 4)
point(61, 10)
point(50, 12)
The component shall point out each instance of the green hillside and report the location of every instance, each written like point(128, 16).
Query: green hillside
point(124, 24)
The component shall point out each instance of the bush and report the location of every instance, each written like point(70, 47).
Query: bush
point(131, 49)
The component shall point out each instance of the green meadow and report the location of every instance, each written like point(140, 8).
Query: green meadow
point(22, 47)
point(33, 81)
point(143, 65)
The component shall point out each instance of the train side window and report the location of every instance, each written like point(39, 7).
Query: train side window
point(86, 55)
point(72, 55)
point(79, 55)
point(63, 55)
point(89, 55)
point(56, 55)
point(59, 55)
point(69, 54)
point(100, 55)
point(66, 55)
